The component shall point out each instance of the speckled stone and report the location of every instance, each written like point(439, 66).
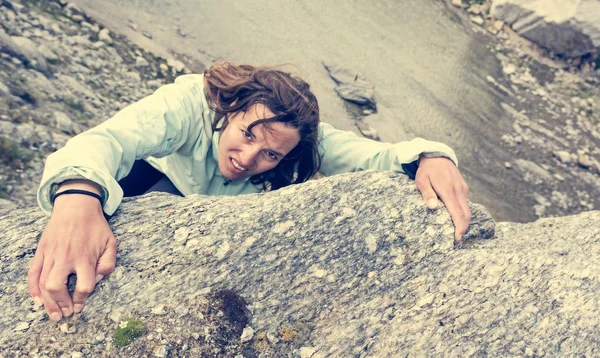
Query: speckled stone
point(351, 265)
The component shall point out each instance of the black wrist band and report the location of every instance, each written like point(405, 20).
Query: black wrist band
point(75, 191)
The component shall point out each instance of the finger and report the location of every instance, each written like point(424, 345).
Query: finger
point(107, 261)
point(86, 281)
point(50, 305)
point(456, 212)
point(35, 270)
point(57, 288)
point(424, 185)
point(464, 205)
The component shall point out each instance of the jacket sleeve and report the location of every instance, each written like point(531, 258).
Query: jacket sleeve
point(156, 126)
point(343, 152)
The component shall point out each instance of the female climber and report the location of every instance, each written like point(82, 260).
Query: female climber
point(235, 129)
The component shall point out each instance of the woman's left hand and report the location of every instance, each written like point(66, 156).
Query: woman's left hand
point(439, 177)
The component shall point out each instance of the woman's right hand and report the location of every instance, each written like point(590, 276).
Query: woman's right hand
point(76, 240)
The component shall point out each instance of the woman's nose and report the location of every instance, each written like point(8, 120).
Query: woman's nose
point(248, 156)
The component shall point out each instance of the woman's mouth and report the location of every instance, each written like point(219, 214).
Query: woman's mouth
point(236, 167)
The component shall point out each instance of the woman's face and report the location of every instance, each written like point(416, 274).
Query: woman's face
point(243, 154)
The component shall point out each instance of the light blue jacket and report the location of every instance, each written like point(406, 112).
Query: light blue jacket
point(172, 130)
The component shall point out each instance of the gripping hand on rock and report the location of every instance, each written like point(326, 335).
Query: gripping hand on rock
point(76, 240)
point(439, 177)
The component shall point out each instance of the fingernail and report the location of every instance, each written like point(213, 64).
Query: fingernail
point(38, 301)
point(432, 203)
point(55, 316)
point(66, 312)
point(78, 307)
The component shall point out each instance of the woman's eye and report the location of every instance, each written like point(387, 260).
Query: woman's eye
point(272, 155)
point(246, 134)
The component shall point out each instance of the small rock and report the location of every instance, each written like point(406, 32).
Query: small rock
point(563, 156)
point(182, 310)
point(247, 334)
point(177, 65)
point(367, 131)
point(64, 328)
point(498, 25)
point(115, 315)
point(4, 90)
point(147, 34)
point(48, 54)
point(584, 160)
point(477, 19)
point(104, 36)
point(457, 3)
point(509, 69)
point(196, 335)
point(25, 132)
point(161, 351)
point(99, 339)
point(141, 62)
point(134, 76)
point(55, 28)
point(160, 310)
point(77, 18)
point(133, 26)
point(507, 165)
point(154, 84)
point(76, 355)
point(475, 9)
point(272, 338)
point(22, 326)
point(63, 122)
point(307, 352)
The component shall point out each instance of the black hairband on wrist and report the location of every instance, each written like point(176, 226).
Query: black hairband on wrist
point(75, 191)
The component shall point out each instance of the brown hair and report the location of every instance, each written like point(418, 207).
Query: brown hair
point(232, 88)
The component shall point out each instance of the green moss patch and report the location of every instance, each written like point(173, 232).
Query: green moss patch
point(129, 329)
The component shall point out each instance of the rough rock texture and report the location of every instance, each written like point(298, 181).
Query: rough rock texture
point(567, 27)
point(351, 265)
point(60, 75)
point(352, 85)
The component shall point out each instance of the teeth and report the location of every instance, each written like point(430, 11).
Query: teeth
point(235, 164)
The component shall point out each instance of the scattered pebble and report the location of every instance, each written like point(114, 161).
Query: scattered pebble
point(477, 19)
point(99, 339)
point(247, 334)
point(161, 351)
point(307, 352)
point(160, 310)
point(22, 326)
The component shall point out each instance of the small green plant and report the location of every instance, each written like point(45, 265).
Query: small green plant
point(13, 155)
point(129, 329)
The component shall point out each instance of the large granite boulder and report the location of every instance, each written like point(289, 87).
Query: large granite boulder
point(351, 265)
point(569, 28)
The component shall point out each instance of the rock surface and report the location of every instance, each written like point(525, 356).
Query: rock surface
point(351, 265)
point(352, 85)
point(567, 28)
point(60, 74)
